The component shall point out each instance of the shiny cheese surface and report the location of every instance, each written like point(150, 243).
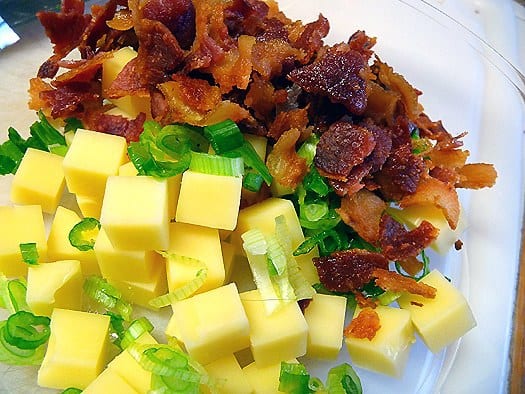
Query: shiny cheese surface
point(211, 325)
point(281, 335)
point(71, 360)
point(325, 316)
point(59, 247)
point(440, 320)
point(264, 379)
point(89, 206)
point(196, 242)
point(20, 224)
point(39, 180)
point(209, 200)
point(109, 382)
point(388, 351)
point(135, 213)
point(230, 377)
point(91, 159)
point(54, 285)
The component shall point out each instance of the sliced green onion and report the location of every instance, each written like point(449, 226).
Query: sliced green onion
point(277, 258)
point(183, 292)
point(328, 241)
point(29, 253)
point(224, 136)
point(294, 378)
point(216, 165)
point(424, 272)
point(13, 294)
point(252, 181)
point(83, 234)
point(343, 379)
point(325, 222)
point(107, 296)
point(72, 124)
point(27, 331)
point(252, 159)
point(388, 297)
point(314, 211)
point(116, 325)
point(10, 158)
point(308, 148)
point(314, 182)
point(15, 137)
point(173, 139)
point(135, 330)
point(71, 390)
point(254, 242)
point(13, 355)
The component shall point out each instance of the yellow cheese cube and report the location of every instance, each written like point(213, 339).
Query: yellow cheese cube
point(196, 242)
point(77, 349)
point(209, 200)
point(127, 169)
point(264, 379)
point(440, 320)
point(20, 224)
point(109, 382)
point(259, 143)
point(135, 213)
point(325, 316)
point(89, 206)
point(59, 247)
point(229, 375)
point(413, 216)
point(211, 325)
point(279, 336)
point(91, 159)
point(132, 105)
point(54, 285)
point(130, 370)
point(125, 265)
point(141, 293)
point(387, 352)
point(262, 216)
point(39, 180)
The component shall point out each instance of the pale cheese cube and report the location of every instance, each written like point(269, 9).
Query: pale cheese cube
point(109, 382)
point(132, 105)
point(39, 180)
point(209, 200)
point(59, 247)
point(54, 285)
point(196, 242)
point(325, 316)
point(259, 143)
point(440, 320)
point(130, 370)
point(125, 265)
point(77, 349)
point(135, 213)
point(127, 169)
point(388, 350)
point(281, 335)
point(229, 376)
point(264, 379)
point(141, 293)
point(89, 206)
point(20, 224)
point(91, 159)
point(211, 325)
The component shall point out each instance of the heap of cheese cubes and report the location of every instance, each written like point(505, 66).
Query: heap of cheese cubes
point(194, 215)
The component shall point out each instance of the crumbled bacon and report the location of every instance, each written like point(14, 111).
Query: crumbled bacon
point(68, 99)
point(286, 120)
point(476, 176)
point(362, 43)
point(365, 325)
point(348, 270)
point(411, 265)
point(397, 243)
point(311, 39)
point(117, 125)
point(392, 281)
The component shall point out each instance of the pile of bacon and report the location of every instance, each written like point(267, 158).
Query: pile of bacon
point(203, 61)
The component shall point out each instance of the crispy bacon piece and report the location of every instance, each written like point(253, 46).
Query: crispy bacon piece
point(117, 125)
point(450, 158)
point(411, 265)
point(365, 325)
point(436, 131)
point(381, 103)
point(338, 75)
point(477, 176)
point(285, 165)
point(261, 98)
point(348, 270)
point(270, 56)
point(343, 146)
point(362, 43)
point(286, 120)
point(84, 70)
point(362, 211)
point(122, 20)
point(395, 282)
point(228, 110)
point(311, 39)
point(246, 17)
point(397, 243)
point(435, 192)
point(71, 98)
point(37, 86)
point(97, 26)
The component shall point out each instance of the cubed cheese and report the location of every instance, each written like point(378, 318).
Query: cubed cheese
point(211, 325)
point(229, 375)
point(440, 320)
point(109, 382)
point(135, 213)
point(132, 105)
point(209, 200)
point(91, 159)
point(89, 206)
point(264, 379)
point(127, 169)
point(77, 349)
point(54, 285)
point(388, 350)
point(39, 180)
point(196, 242)
point(59, 247)
point(20, 224)
point(281, 335)
point(325, 316)
point(125, 265)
